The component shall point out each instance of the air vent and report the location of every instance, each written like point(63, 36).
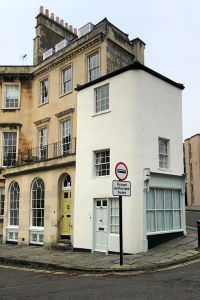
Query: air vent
point(48, 53)
point(85, 29)
point(61, 45)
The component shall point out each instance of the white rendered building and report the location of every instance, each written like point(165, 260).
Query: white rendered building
point(133, 115)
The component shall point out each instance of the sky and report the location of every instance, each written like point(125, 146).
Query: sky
point(170, 29)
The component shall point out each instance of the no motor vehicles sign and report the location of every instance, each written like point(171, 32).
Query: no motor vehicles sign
point(121, 171)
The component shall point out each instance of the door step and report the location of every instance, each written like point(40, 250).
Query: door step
point(63, 245)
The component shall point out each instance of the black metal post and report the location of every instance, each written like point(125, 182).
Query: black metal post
point(198, 228)
point(120, 231)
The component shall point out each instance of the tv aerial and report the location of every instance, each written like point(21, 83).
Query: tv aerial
point(23, 57)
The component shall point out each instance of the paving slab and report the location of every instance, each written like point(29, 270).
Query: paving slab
point(170, 252)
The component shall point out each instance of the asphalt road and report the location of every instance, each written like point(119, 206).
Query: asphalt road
point(180, 283)
point(191, 218)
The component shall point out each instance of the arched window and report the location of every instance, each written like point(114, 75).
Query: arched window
point(37, 203)
point(14, 204)
point(67, 182)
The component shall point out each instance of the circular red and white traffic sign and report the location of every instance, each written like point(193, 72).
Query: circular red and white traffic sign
point(121, 171)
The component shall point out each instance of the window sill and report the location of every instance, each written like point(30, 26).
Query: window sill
point(12, 227)
point(43, 103)
point(165, 170)
point(63, 95)
point(102, 112)
point(106, 176)
point(36, 229)
point(10, 108)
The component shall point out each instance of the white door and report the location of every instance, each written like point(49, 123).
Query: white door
point(100, 239)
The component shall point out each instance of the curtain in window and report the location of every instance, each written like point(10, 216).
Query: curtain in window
point(168, 213)
point(150, 221)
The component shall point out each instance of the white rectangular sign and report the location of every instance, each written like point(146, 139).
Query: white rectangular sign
point(121, 188)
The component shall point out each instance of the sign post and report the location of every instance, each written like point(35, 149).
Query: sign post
point(121, 188)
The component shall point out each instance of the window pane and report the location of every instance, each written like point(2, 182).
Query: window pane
point(150, 204)
point(168, 199)
point(176, 199)
point(14, 204)
point(38, 203)
point(150, 221)
point(102, 98)
point(102, 168)
point(160, 220)
point(168, 220)
point(177, 219)
point(159, 199)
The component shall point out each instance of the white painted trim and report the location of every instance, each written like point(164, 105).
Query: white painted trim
point(101, 112)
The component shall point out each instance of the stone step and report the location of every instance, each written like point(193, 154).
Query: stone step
point(63, 241)
point(62, 247)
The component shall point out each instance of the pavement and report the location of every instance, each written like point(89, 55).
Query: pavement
point(175, 251)
point(192, 208)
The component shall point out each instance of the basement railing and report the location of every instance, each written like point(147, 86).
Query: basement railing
point(47, 152)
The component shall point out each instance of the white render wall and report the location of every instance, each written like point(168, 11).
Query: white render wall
point(142, 108)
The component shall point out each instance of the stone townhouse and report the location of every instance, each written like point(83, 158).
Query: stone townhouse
point(38, 124)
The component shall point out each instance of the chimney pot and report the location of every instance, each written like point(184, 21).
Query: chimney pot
point(66, 25)
point(75, 31)
point(41, 10)
point(62, 22)
point(52, 16)
point(57, 19)
point(47, 12)
point(71, 28)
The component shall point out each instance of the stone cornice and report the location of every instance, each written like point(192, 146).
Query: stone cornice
point(65, 112)
point(39, 122)
point(10, 124)
point(94, 40)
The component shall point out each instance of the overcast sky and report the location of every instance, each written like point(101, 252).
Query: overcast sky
point(170, 29)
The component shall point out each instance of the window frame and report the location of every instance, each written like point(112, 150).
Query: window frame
point(62, 89)
point(2, 201)
point(88, 63)
point(32, 227)
point(4, 84)
point(190, 151)
point(9, 209)
point(94, 168)
point(3, 146)
point(163, 154)
point(100, 100)
point(61, 131)
point(191, 172)
point(192, 193)
point(41, 92)
point(155, 209)
point(43, 149)
point(115, 216)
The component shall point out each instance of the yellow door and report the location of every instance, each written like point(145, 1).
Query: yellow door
point(66, 212)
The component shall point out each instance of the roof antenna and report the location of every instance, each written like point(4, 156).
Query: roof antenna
point(23, 57)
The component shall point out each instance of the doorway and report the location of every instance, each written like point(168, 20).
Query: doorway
point(100, 229)
point(66, 208)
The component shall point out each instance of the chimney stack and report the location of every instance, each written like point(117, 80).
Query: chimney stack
point(71, 28)
point(41, 10)
point(66, 25)
point(75, 31)
point(47, 12)
point(52, 16)
point(57, 19)
point(62, 22)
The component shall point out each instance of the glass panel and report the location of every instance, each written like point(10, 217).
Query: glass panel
point(150, 221)
point(168, 220)
point(168, 199)
point(104, 202)
point(99, 203)
point(159, 199)
point(150, 199)
point(177, 219)
point(160, 220)
point(176, 199)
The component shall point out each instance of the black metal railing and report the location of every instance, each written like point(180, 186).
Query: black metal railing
point(38, 154)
